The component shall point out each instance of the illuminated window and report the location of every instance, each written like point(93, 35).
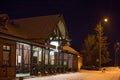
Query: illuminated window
point(6, 55)
point(46, 57)
point(37, 54)
point(70, 62)
point(23, 57)
point(65, 59)
point(22, 54)
point(52, 57)
point(55, 43)
point(40, 55)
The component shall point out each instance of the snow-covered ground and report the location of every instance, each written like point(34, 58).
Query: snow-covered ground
point(109, 74)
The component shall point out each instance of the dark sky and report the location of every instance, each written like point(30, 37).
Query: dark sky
point(81, 16)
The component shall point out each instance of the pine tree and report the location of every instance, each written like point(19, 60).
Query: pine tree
point(102, 43)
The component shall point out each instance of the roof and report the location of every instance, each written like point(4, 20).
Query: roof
point(33, 29)
point(7, 28)
point(37, 27)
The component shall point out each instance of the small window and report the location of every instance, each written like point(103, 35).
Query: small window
point(6, 55)
point(6, 47)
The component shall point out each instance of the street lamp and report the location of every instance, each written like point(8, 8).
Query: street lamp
point(105, 20)
point(100, 35)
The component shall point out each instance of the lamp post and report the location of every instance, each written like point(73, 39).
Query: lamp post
point(100, 35)
point(116, 48)
point(100, 44)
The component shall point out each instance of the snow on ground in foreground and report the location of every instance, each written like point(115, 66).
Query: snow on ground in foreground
point(83, 75)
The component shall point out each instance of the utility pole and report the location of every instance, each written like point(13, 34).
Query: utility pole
point(100, 44)
point(100, 37)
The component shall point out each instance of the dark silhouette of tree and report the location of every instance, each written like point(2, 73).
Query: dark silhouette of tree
point(89, 50)
point(91, 47)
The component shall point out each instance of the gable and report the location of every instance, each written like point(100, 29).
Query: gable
point(62, 29)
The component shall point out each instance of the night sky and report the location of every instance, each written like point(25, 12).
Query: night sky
point(81, 16)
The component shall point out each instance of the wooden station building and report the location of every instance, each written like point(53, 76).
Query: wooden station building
point(35, 46)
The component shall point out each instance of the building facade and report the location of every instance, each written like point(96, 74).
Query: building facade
point(35, 46)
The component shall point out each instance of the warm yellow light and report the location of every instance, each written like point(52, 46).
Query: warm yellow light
point(106, 20)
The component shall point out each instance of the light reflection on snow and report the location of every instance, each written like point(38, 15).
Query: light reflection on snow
point(83, 75)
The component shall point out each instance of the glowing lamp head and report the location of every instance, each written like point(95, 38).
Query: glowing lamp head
point(106, 20)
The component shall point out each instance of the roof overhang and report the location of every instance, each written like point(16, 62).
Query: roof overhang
point(69, 49)
point(24, 41)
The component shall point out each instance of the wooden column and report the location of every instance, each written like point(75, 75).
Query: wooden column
point(31, 59)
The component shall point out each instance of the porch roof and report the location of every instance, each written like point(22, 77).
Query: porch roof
point(70, 49)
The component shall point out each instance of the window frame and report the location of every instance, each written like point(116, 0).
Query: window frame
point(6, 52)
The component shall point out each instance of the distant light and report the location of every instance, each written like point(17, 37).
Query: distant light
point(78, 56)
point(118, 43)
